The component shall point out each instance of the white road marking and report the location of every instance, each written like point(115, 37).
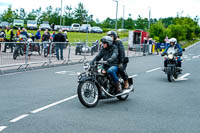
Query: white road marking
point(194, 57)
point(133, 76)
point(188, 59)
point(19, 118)
point(2, 128)
point(183, 77)
point(53, 104)
point(153, 70)
point(64, 72)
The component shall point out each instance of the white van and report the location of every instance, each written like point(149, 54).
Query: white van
point(75, 27)
point(32, 24)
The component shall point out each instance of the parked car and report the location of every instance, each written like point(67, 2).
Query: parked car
point(45, 26)
point(57, 27)
point(4, 24)
point(75, 27)
point(32, 24)
point(18, 23)
point(96, 30)
point(66, 28)
point(85, 28)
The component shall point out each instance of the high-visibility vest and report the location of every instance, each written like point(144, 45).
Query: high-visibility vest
point(8, 34)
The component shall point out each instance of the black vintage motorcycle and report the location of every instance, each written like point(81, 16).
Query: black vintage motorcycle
point(172, 70)
point(95, 85)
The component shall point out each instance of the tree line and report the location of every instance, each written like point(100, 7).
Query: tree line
point(183, 28)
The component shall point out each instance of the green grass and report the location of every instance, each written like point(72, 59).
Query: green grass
point(77, 36)
point(186, 44)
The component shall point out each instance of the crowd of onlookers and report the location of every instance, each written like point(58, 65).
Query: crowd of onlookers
point(7, 35)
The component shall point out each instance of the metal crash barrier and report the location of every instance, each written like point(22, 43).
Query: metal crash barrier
point(26, 55)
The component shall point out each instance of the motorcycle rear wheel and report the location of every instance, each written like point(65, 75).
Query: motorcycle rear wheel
point(88, 94)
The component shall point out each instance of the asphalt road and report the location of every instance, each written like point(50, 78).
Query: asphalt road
point(45, 101)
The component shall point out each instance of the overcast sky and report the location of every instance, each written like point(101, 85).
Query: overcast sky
point(102, 9)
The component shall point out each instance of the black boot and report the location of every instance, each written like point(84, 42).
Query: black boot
point(117, 87)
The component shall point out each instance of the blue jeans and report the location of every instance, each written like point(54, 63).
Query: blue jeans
point(59, 46)
point(113, 72)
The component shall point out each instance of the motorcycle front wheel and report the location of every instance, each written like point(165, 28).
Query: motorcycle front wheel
point(170, 77)
point(15, 54)
point(88, 94)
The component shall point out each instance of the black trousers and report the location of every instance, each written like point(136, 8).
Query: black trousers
point(123, 73)
point(8, 44)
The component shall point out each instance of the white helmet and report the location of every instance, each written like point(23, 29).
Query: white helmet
point(173, 40)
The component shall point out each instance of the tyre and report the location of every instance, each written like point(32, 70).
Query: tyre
point(45, 53)
point(88, 94)
point(39, 51)
point(123, 98)
point(15, 55)
point(169, 77)
point(175, 76)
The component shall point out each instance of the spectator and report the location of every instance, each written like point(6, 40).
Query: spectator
point(24, 32)
point(18, 32)
point(150, 45)
point(53, 26)
point(65, 35)
point(9, 37)
point(38, 35)
point(145, 46)
point(2, 36)
point(46, 36)
point(59, 38)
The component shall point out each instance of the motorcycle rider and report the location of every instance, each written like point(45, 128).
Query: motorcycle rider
point(173, 44)
point(121, 57)
point(109, 53)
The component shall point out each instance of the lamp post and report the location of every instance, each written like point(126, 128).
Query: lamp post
point(61, 14)
point(149, 17)
point(116, 13)
point(123, 17)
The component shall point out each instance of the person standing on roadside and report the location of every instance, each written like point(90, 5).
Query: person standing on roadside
point(59, 46)
point(9, 37)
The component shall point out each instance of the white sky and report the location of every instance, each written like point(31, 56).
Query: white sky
point(107, 8)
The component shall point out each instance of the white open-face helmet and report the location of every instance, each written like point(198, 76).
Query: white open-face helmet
point(173, 40)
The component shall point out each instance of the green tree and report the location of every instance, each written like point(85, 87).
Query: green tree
point(141, 23)
point(80, 14)
point(22, 14)
point(8, 15)
point(32, 15)
point(158, 30)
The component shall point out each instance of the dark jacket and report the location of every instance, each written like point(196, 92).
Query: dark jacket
point(109, 54)
point(59, 38)
point(121, 51)
point(46, 36)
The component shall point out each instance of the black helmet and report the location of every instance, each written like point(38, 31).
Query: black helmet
point(109, 33)
point(107, 39)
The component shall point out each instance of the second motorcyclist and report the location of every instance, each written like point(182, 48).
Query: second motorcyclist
point(175, 45)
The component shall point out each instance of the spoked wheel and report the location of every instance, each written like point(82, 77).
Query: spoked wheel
point(88, 94)
point(45, 53)
point(15, 55)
